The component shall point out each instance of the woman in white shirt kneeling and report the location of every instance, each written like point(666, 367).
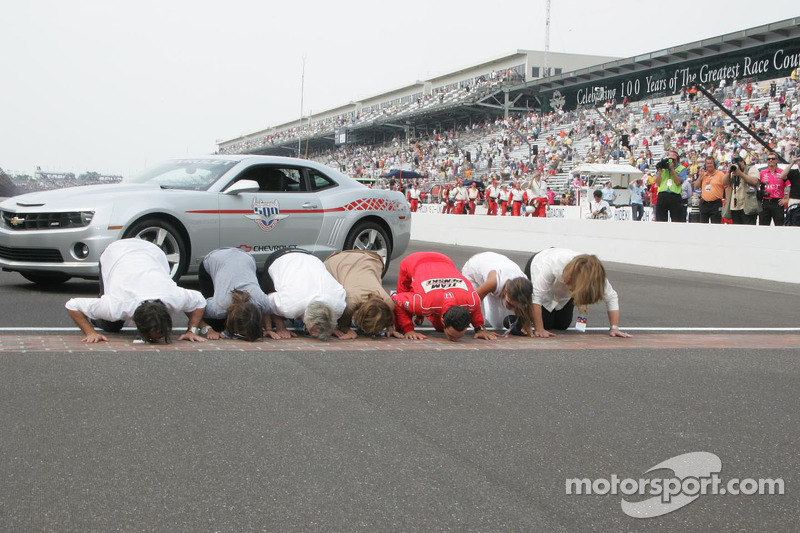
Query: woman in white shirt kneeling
point(564, 279)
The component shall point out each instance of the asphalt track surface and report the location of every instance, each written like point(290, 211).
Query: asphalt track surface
point(391, 435)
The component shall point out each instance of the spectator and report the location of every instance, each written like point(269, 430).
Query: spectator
point(637, 200)
point(598, 208)
point(669, 181)
point(712, 189)
point(741, 201)
point(773, 183)
point(609, 194)
point(135, 283)
point(793, 202)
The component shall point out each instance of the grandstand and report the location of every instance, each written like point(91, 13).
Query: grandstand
point(498, 120)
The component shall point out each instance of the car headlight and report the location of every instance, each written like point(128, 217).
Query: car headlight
point(86, 217)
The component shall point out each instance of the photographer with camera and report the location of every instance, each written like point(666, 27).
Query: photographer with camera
point(741, 183)
point(598, 208)
point(712, 190)
point(669, 178)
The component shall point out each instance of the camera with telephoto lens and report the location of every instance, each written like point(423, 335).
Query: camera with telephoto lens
point(663, 164)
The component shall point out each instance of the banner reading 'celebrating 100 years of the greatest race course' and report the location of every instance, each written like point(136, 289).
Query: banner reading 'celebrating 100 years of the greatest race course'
point(767, 62)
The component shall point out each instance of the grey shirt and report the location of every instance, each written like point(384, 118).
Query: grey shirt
point(231, 268)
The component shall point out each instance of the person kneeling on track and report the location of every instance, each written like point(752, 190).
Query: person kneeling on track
point(299, 285)
point(234, 300)
point(368, 304)
point(135, 283)
point(430, 285)
point(564, 279)
point(504, 290)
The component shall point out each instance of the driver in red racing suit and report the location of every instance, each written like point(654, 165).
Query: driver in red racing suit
point(430, 285)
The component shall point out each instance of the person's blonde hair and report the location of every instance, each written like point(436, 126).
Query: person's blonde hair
point(373, 315)
point(519, 292)
point(586, 278)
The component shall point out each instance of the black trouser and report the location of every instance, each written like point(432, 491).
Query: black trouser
point(711, 212)
point(265, 282)
point(793, 216)
point(670, 206)
point(771, 210)
point(560, 318)
point(207, 290)
point(739, 217)
point(638, 211)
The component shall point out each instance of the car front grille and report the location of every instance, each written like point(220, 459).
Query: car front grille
point(27, 221)
point(31, 255)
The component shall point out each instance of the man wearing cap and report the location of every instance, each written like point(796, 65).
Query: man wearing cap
point(503, 197)
point(492, 193)
point(637, 200)
point(461, 198)
point(516, 200)
point(669, 181)
point(536, 195)
point(429, 285)
point(413, 197)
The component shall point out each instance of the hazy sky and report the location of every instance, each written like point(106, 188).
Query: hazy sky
point(114, 86)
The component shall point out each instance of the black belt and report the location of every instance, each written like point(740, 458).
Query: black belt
point(773, 199)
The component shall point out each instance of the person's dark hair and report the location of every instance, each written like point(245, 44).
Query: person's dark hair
point(153, 321)
point(457, 317)
point(597, 193)
point(520, 293)
point(244, 317)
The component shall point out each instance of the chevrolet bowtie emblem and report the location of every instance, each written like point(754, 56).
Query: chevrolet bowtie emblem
point(16, 221)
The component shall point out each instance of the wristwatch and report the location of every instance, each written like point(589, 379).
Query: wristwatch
point(199, 331)
point(479, 328)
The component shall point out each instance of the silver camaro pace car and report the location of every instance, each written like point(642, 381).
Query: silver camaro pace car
point(192, 206)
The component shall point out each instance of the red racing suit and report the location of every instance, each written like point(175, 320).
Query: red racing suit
point(428, 285)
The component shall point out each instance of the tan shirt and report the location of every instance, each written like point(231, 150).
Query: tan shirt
point(359, 272)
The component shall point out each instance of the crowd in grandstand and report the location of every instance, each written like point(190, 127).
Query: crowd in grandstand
point(635, 133)
point(453, 94)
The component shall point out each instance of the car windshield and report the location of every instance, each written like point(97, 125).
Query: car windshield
point(187, 174)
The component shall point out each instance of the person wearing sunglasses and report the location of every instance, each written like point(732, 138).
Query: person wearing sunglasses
point(773, 185)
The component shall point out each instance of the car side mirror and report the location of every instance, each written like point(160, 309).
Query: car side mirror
point(242, 186)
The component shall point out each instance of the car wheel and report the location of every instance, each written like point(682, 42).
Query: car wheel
point(370, 236)
point(46, 278)
point(165, 236)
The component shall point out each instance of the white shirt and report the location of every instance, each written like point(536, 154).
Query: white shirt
point(597, 206)
point(133, 271)
point(301, 279)
point(492, 192)
point(413, 193)
point(537, 189)
point(516, 195)
point(478, 267)
point(549, 289)
point(503, 195)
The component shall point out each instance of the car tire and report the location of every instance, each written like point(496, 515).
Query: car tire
point(165, 236)
point(370, 236)
point(46, 278)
